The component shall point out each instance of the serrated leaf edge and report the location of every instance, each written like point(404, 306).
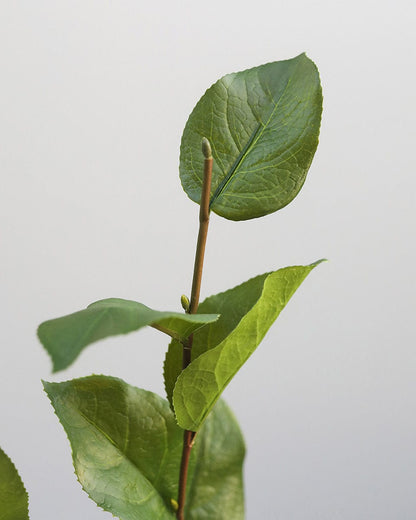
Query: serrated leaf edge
point(26, 494)
point(70, 444)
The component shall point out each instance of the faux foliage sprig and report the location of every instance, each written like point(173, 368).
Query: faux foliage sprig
point(143, 457)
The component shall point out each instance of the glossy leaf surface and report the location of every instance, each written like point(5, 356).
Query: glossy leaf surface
point(13, 495)
point(126, 449)
point(263, 126)
point(200, 385)
point(64, 338)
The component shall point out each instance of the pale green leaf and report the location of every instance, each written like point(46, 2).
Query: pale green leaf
point(232, 305)
point(199, 386)
point(13, 495)
point(263, 126)
point(64, 338)
point(126, 449)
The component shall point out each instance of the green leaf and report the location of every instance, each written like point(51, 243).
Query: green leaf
point(13, 495)
point(199, 386)
point(64, 338)
point(216, 484)
point(232, 306)
point(263, 126)
point(172, 367)
point(126, 449)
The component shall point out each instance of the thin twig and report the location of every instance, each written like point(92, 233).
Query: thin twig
point(193, 307)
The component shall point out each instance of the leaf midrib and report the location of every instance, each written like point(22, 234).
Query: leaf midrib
point(254, 137)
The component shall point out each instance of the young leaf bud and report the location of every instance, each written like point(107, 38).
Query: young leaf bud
point(185, 303)
point(206, 148)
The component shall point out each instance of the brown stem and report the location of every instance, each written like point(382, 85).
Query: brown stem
point(193, 306)
point(183, 476)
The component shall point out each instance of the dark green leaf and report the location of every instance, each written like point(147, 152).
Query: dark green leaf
point(64, 338)
point(263, 126)
point(172, 367)
point(13, 495)
point(127, 448)
point(199, 386)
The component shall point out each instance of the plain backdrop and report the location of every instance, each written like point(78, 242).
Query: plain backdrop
point(94, 95)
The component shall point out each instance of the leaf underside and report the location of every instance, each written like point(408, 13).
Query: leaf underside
point(64, 338)
point(13, 495)
point(221, 352)
point(126, 449)
point(263, 126)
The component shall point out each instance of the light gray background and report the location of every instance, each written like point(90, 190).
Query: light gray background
point(94, 97)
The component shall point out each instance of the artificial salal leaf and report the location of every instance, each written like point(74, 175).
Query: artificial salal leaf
point(64, 338)
point(231, 305)
point(263, 126)
point(199, 386)
point(172, 367)
point(215, 490)
point(127, 447)
point(13, 495)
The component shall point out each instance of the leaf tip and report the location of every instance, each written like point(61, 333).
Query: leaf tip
point(320, 261)
point(46, 387)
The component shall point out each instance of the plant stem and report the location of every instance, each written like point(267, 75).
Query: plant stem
point(193, 307)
